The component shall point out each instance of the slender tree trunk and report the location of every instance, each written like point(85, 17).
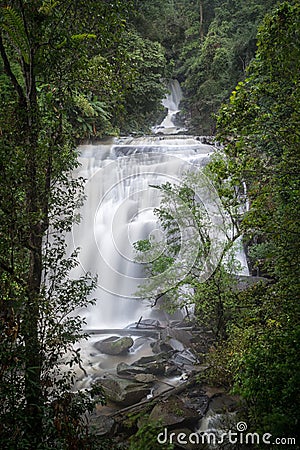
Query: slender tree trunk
point(201, 20)
point(33, 388)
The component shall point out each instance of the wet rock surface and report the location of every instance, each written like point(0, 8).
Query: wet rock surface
point(114, 345)
point(173, 412)
point(160, 386)
point(121, 391)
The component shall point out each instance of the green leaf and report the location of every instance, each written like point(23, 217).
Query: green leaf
point(83, 36)
point(14, 26)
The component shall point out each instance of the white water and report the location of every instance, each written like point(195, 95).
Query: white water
point(171, 102)
point(119, 211)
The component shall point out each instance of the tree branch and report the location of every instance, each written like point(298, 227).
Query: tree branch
point(10, 74)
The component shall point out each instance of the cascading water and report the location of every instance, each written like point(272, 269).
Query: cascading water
point(119, 211)
point(171, 103)
point(120, 199)
point(120, 176)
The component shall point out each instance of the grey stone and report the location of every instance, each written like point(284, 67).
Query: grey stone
point(102, 425)
point(182, 336)
point(121, 391)
point(146, 378)
point(173, 411)
point(114, 345)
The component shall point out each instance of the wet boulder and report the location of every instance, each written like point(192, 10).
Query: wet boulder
point(184, 360)
point(128, 371)
point(102, 425)
point(158, 365)
point(115, 345)
point(173, 412)
point(122, 391)
point(146, 378)
point(172, 339)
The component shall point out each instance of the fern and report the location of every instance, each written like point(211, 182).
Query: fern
point(12, 23)
point(48, 7)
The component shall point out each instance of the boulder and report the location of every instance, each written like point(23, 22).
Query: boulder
point(146, 378)
point(172, 339)
point(173, 412)
point(135, 373)
point(121, 391)
point(159, 365)
point(166, 345)
point(156, 364)
point(197, 399)
point(102, 425)
point(128, 371)
point(178, 334)
point(185, 360)
point(115, 345)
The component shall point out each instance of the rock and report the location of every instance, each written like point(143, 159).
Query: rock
point(172, 412)
point(102, 425)
point(184, 360)
point(121, 391)
point(197, 399)
point(126, 370)
point(156, 365)
point(172, 339)
point(222, 403)
point(139, 342)
point(146, 378)
point(182, 336)
point(114, 345)
point(167, 345)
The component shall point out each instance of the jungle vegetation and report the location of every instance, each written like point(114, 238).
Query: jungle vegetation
point(75, 71)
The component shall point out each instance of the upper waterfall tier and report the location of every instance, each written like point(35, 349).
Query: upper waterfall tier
point(172, 103)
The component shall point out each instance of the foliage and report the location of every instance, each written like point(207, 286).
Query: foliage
point(212, 66)
point(260, 129)
point(208, 45)
point(39, 43)
point(205, 277)
point(144, 90)
point(146, 437)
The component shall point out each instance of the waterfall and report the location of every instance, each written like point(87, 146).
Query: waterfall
point(119, 210)
point(171, 102)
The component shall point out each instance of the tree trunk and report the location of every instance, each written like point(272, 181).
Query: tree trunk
point(201, 20)
point(34, 201)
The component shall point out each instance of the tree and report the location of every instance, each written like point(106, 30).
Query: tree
point(193, 264)
point(44, 46)
point(260, 129)
point(212, 66)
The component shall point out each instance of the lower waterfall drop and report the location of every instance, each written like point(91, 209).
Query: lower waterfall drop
point(118, 211)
